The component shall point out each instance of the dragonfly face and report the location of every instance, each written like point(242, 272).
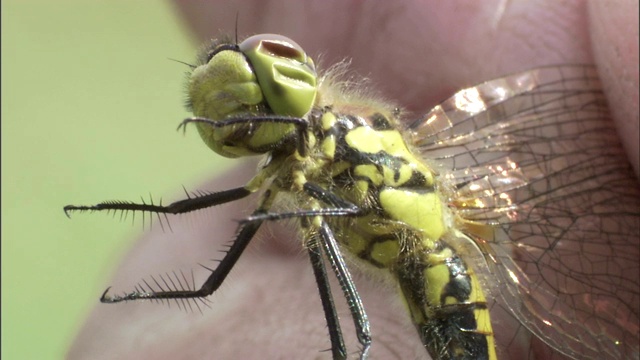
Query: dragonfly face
point(261, 73)
point(509, 195)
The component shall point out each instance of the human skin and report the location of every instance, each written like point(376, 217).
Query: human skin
point(417, 53)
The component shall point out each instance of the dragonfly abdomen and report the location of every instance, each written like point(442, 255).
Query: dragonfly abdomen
point(447, 305)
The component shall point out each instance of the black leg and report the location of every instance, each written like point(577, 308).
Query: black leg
point(341, 271)
point(301, 125)
point(212, 283)
point(338, 349)
point(301, 214)
point(178, 207)
point(327, 197)
point(339, 207)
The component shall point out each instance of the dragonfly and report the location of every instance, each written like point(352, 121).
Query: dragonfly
point(513, 195)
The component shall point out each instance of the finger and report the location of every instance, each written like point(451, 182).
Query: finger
point(614, 35)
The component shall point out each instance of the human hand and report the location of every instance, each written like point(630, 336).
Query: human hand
point(415, 52)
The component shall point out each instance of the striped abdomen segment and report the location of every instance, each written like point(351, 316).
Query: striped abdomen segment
point(447, 305)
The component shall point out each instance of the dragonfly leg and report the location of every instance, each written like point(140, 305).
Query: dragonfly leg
point(340, 207)
point(179, 207)
point(339, 267)
point(338, 348)
point(301, 125)
point(245, 233)
point(217, 277)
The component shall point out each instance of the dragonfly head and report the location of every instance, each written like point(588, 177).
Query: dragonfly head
point(265, 74)
point(287, 76)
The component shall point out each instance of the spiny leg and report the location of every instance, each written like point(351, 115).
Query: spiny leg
point(204, 201)
point(339, 207)
point(301, 214)
point(178, 207)
point(317, 192)
point(245, 233)
point(207, 200)
point(217, 277)
point(174, 282)
point(338, 348)
point(339, 267)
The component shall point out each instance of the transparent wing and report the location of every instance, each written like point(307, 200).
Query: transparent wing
point(535, 156)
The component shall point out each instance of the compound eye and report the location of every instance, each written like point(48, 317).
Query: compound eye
point(287, 76)
point(285, 49)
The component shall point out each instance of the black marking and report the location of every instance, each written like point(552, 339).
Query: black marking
point(380, 122)
point(454, 336)
point(418, 181)
point(382, 159)
point(459, 286)
point(447, 331)
point(214, 47)
point(396, 174)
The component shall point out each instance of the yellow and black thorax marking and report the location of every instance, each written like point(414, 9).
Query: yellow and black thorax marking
point(405, 227)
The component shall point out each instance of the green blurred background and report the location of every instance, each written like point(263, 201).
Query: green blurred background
point(90, 103)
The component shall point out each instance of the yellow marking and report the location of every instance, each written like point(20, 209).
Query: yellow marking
point(420, 211)
point(328, 121)
point(371, 141)
point(370, 172)
point(312, 140)
point(368, 140)
point(483, 323)
point(482, 316)
point(268, 134)
point(437, 276)
point(356, 243)
point(339, 167)
point(297, 156)
point(362, 187)
point(256, 182)
point(298, 179)
point(329, 147)
point(394, 144)
point(385, 252)
point(436, 258)
point(450, 300)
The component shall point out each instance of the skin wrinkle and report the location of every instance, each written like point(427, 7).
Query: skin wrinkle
point(426, 53)
point(614, 34)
